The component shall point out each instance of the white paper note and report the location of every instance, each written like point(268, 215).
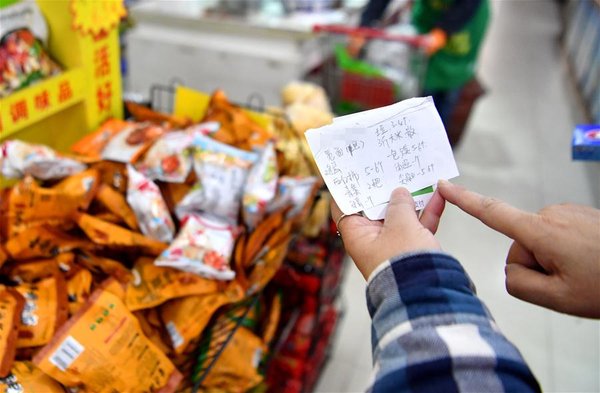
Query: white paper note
point(363, 157)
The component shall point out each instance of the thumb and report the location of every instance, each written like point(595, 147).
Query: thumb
point(530, 285)
point(401, 214)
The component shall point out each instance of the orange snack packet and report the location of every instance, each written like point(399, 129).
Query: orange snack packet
point(79, 288)
point(43, 242)
point(154, 285)
point(11, 307)
point(31, 271)
point(92, 144)
point(152, 327)
point(45, 310)
point(116, 203)
point(3, 256)
point(81, 186)
point(113, 173)
point(132, 142)
point(142, 113)
point(236, 369)
point(104, 266)
point(187, 317)
point(25, 377)
point(104, 233)
point(102, 349)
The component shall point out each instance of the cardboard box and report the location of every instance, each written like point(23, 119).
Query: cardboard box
point(586, 142)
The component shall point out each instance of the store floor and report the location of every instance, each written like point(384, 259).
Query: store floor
point(517, 149)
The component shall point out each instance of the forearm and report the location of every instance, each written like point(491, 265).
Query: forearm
point(430, 331)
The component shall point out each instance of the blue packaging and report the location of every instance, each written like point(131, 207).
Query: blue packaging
point(586, 142)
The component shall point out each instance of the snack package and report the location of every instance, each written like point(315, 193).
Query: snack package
point(153, 285)
point(151, 211)
point(24, 61)
point(143, 113)
point(102, 349)
point(153, 329)
point(92, 144)
point(261, 187)
point(25, 377)
point(169, 159)
point(3, 256)
point(297, 192)
point(32, 271)
point(185, 318)
point(81, 187)
point(43, 242)
point(105, 267)
point(116, 203)
point(113, 173)
point(45, 310)
point(236, 369)
point(132, 142)
point(110, 235)
point(79, 287)
point(30, 205)
point(11, 307)
point(222, 172)
point(18, 159)
point(203, 246)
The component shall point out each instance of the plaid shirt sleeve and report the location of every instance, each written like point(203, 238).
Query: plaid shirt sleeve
point(431, 333)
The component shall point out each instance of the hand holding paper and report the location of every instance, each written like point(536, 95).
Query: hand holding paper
point(363, 157)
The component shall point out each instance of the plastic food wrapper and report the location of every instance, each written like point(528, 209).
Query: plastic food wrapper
point(18, 159)
point(297, 192)
point(147, 202)
point(25, 377)
point(153, 285)
point(11, 307)
point(131, 143)
point(30, 205)
point(79, 287)
point(222, 171)
point(104, 233)
point(104, 267)
point(186, 318)
point(143, 113)
point(81, 186)
point(92, 144)
point(31, 271)
point(170, 157)
point(203, 246)
point(236, 370)
point(113, 173)
point(24, 61)
point(43, 242)
point(153, 329)
point(3, 256)
point(116, 203)
point(102, 349)
point(45, 310)
point(261, 187)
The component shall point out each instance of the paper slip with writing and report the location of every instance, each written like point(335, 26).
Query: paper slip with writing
point(364, 156)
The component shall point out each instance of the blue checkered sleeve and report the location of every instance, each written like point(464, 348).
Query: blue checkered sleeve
point(431, 333)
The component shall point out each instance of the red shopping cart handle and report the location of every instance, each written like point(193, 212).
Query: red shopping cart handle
point(370, 33)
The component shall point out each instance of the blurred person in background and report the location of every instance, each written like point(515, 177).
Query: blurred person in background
point(453, 32)
point(430, 331)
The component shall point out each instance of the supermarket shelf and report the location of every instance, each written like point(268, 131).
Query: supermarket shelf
point(40, 101)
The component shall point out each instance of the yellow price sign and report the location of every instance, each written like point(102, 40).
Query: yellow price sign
point(97, 17)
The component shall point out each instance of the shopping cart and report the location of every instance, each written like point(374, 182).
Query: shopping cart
point(391, 67)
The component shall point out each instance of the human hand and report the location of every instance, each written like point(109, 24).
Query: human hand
point(355, 44)
point(370, 243)
point(434, 41)
point(554, 260)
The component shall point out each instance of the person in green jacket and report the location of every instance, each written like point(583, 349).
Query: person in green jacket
point(453, 31)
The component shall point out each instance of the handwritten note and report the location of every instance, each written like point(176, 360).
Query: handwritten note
point(363, 157)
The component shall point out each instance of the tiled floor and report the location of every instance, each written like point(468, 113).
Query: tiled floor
point(517, 149)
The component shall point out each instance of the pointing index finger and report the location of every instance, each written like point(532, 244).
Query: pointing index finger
point(496, 214)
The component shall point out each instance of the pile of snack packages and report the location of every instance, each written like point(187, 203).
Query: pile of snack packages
point(115, 257)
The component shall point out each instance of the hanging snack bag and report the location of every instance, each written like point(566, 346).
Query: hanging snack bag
point(11, 307)
point(45, 310)
point(203, 246)
point(186, 318)
point(79, 287)
point(110, 235)
point(261, 187)
point(170, 159)
point(297, 192)
point(81, 186)
point(92, 144)
point(103, 349)
point(153, 285)
point(147, 202)
point(104, 267)
point(115, 202)
point(18, 159)
point(25, 377)
point(43, 242)
point(222, 171)
point(132, 142)
point(32, 271)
